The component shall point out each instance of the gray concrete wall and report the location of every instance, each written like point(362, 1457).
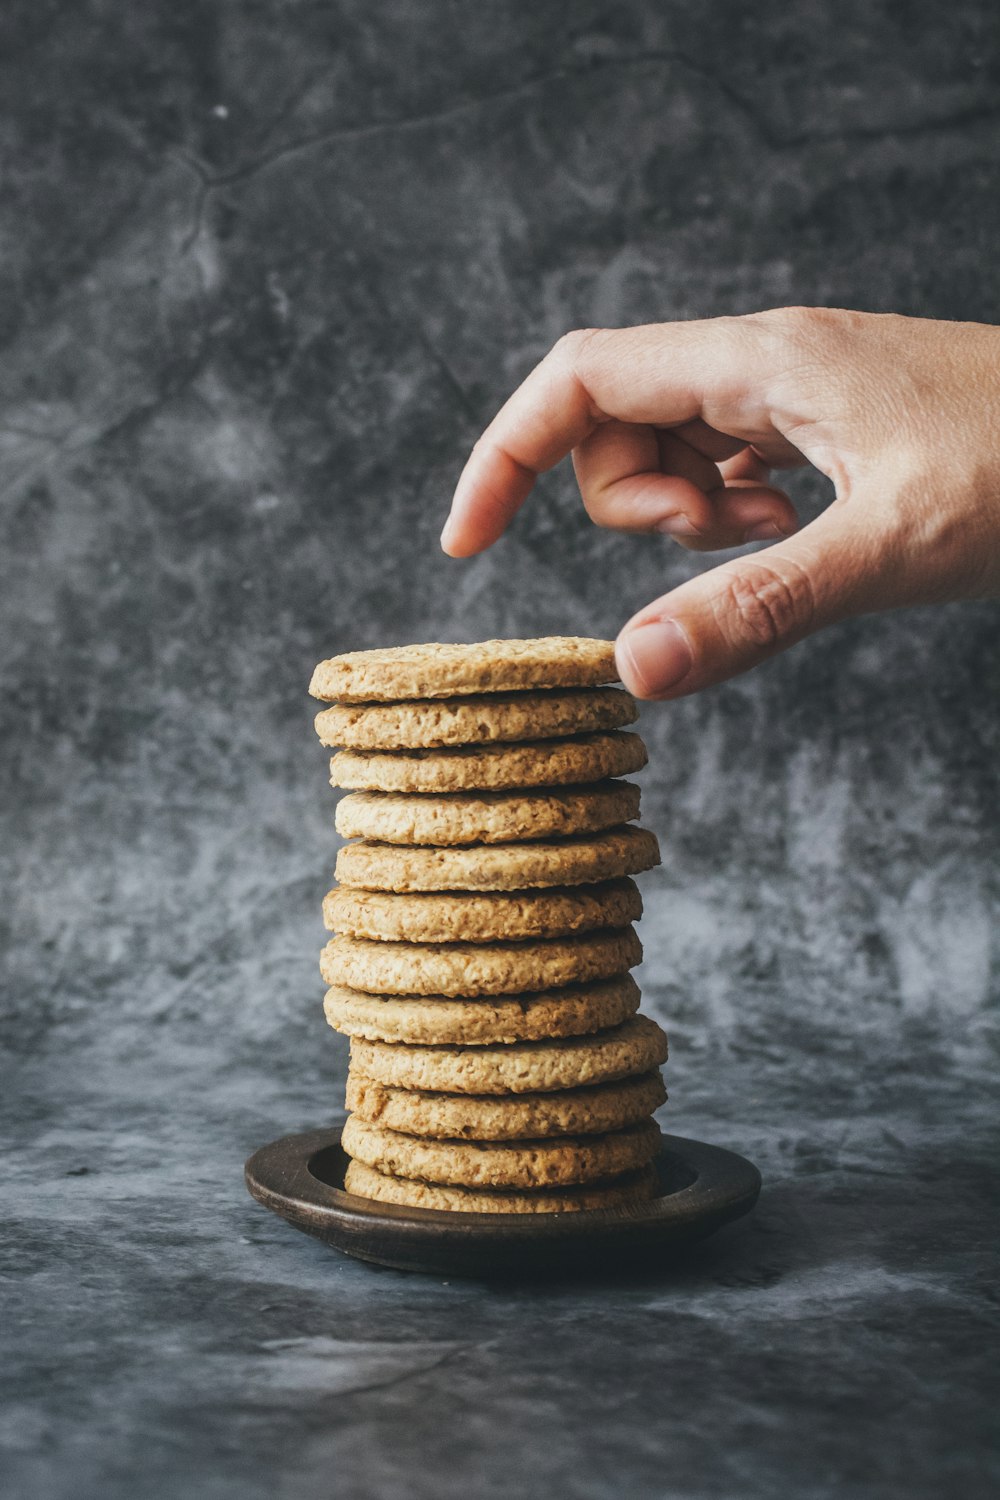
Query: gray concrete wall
point(268, 269)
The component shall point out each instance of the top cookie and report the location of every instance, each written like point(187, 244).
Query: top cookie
point(442, 671)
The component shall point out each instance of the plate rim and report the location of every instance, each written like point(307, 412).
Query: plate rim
point(726, 1185)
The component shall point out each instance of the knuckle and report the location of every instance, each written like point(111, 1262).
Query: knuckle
point(806, 328)
point(608, 508)
point(762, 605)
point(597, 506)
point(801, 327)
point(570, 346)
point(796, 321)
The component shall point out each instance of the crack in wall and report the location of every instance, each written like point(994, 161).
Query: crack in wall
point(773, 140)
point(207, 184)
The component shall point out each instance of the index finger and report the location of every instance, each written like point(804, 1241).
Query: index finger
point(661, 374)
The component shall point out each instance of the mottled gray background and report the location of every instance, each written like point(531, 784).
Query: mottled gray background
point(268, 266)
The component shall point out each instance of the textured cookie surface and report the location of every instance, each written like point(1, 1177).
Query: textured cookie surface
point(478, 969)
point(485, 1117)
point(501, 867)
point(484, 719)
point(443, 917)
point(574, 1010)
point(436, 670)
point(560, 1161)
point(450, 818)
point(566, 762)
point(637, 1046)
point(366, 1182)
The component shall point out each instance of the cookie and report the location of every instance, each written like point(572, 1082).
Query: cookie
point(366, 1182)
point(574, 1010)
point(524, 1068)
point(446, 671)
point(485, 1117)
point(478, 969)
point(443, 917)
point(428, 724)
point(566, 762)
point(485, 817)
point(500, 867)
point(560, 1161)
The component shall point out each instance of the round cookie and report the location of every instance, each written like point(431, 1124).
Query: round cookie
point(485, 817)
point(487, 718)
point(436, 670)
point(501, 867)
point(574, 1010)
point(443, 917)
point(566, 762)
point(478, 969)
point(524, 1068)
point(485, 1117)
point(366, 1182)
point(561, 1161)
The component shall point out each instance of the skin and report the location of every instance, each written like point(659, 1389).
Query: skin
point(676, 428)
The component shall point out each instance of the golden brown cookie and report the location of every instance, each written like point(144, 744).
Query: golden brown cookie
point(446, 671)
point(534, 763)
point(478, 968)
point(500, 867)
point(428, 724)
point(488, 1117)
point(558, 1161)
point(635, 1188)
point(485, 817)
point(637, 1046)
point(574, 1010)
point(446, 917)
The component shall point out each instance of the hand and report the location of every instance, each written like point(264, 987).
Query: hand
point(675, 428)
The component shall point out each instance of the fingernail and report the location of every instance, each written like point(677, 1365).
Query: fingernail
point(764, 531)
point(654, 658)
point(677, 525)
point(447, 534)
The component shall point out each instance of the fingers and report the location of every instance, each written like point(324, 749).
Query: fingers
point(745, 513)
point(713, 375)
point(745, 465)
point(726, 621)
point(778, 452)
point(637, 478)
point(633, 478)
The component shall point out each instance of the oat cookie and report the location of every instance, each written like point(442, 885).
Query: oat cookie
point(445, 671)
point(541, 763)
point(560, 1161)
point(524, 1068)
point(573, 1010)
point(500, 867)
point(478, 968)
point(366, 1182)
point(449, 818)
point(486, 1117)
point(487, 718)
point(446, 917)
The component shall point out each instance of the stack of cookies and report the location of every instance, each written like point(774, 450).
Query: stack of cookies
point(482, 921)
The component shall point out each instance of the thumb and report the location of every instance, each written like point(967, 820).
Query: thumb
point(729, 619)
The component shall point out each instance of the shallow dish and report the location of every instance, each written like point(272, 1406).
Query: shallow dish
point(301, 1177)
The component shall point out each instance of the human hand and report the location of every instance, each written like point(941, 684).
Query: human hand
point(675, 427)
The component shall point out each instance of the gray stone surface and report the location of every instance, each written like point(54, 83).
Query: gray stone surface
point(268, 268)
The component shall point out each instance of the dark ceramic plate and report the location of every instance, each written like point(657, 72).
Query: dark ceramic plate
point(301, 1177)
